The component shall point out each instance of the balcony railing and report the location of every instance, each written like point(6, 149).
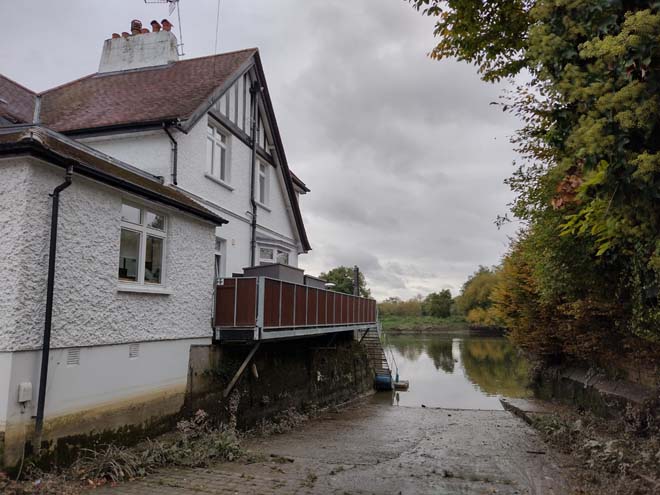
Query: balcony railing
point(258, 308)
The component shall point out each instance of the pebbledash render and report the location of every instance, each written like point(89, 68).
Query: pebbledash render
point(160, 155)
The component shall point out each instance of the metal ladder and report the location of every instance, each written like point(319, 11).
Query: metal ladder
point(375, 352)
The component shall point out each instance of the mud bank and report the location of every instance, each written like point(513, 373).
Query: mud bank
point(596, 392)
point(375, 448)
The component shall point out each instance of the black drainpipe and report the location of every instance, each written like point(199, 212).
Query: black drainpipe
point(254, 91)
point(50, 286)
point(175, 153)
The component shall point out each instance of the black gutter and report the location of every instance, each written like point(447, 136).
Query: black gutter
point(255, 89)
point(50, 289)
point(175, 153)
point(107, 130)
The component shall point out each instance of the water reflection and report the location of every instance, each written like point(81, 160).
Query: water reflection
point(458, 371)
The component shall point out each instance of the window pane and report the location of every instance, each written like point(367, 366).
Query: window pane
point(218, 267)
point(266, 253)
point(209, 154)
point(210, 129)
point(223, 164)
point(283, 257)
point(153, 261)
point(131, 214)
point(262, 189)
point(155, 221)
point(219, 244)
point(216, 161)
point(129, 247)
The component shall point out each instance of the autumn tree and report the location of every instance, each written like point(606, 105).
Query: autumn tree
point(583, 278)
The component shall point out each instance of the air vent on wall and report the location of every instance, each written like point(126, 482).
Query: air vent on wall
point(133, 351)
point(73, 357)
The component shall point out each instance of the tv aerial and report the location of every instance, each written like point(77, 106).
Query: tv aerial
point(173, 5)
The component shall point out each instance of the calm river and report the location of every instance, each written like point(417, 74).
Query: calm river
point(457, 370)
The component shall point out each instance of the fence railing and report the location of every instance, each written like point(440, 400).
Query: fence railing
point(272, 304)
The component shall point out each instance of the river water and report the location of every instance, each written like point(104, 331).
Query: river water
point(457, 370)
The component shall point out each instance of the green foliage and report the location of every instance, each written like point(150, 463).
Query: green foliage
point(584, 275)
point(490, 34)
point(420, 323)
point(437, 304)
point(342, 277)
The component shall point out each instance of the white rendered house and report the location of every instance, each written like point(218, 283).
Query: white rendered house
point(172, 175)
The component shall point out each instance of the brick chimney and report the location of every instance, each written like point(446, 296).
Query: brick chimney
point(138, 50)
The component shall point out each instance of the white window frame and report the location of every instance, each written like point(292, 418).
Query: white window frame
point(143, 230)
point(214, 135)
point(277, 252)
point(266, 174)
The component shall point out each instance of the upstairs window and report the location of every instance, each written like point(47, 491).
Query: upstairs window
point(217, 153)
point(263, 186)
point(142, 246)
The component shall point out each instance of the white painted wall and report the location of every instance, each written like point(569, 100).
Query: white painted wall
point(233, 203)
point(149, 151)
point(88, 308)
point(105, 376)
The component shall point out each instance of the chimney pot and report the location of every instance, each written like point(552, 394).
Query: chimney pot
point(167, 25)
point(136, 26)
point(155, 26)
point(125, 34)
point(116, 35)
point(144, 30)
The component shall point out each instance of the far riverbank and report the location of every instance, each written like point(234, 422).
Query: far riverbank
point(418, 325)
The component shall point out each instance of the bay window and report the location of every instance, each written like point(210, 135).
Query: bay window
point(142, 246)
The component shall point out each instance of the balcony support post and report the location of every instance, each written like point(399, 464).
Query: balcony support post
point(240, 371)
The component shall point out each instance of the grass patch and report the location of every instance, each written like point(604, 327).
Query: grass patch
point(421, 323)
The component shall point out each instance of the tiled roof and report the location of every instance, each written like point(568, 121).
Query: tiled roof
point(16, 101)
point(147, 95)
point(60, 150)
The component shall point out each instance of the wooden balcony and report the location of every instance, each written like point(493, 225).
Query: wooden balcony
point(249, 309)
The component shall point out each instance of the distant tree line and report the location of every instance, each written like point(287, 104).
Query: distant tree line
point(436, 304)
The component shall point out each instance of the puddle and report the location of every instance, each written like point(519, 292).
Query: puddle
point(458, 371)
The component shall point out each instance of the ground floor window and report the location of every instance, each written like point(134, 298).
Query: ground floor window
point(142, 246)
point(269, 255)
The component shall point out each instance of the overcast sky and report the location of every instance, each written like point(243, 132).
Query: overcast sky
point(404, 155)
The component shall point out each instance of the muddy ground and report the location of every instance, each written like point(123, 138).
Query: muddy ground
point(372, 447)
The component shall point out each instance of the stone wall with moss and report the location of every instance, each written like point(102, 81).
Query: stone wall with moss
point(303, 374)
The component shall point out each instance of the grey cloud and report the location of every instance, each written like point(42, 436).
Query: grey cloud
point(404, 155)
